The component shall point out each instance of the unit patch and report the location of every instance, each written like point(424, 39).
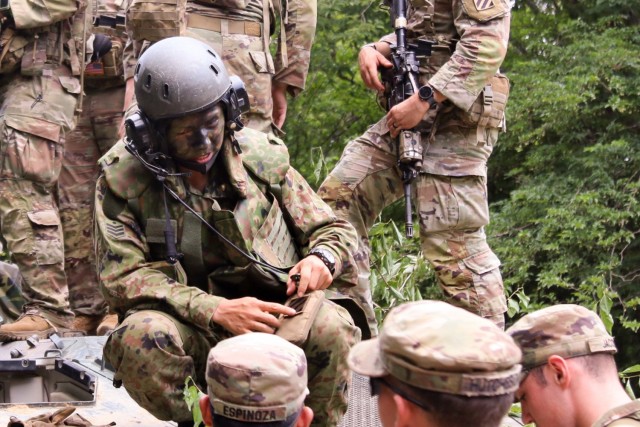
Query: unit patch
point(485, 10)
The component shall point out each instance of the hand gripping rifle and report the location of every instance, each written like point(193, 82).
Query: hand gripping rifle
point(403, 82)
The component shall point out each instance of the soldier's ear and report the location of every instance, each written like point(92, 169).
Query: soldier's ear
point(305, 418)
point(205, 408)
point(560, 370)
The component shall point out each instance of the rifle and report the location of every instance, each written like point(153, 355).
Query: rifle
point(403, 81)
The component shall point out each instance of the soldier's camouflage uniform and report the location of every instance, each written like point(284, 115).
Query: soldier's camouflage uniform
point(43, 55)
point(627, 415)
point(166, 310)
point(95, 133)
point(450, 193)
point(240, 31)
point(11, 299)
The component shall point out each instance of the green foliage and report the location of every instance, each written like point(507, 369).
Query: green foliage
point(564, 180)
point(191, 396)
point(335, 105)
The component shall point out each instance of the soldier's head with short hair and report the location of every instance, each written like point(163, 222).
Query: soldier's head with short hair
point(567, 354)
point(437, 365)
point(256, 379)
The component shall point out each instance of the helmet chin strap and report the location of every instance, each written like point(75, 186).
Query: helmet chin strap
point(203, 168)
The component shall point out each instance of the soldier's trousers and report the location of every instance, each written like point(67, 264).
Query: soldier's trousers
point(243, 56)
point(95, 134)
point(153, 353)
point(37, 111)
point(452, 211)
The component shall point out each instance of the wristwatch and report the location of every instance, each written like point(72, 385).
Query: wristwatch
point(427, 94)
point(326, 257)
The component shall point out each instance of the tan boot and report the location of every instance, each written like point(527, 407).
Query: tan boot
point(28, 324)
point(86, 324)
point(109, 323)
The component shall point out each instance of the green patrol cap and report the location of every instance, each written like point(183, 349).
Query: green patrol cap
point(256, 377)
point(566, 330)
point(435, 346)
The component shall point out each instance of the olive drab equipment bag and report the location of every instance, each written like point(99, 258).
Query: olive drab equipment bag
point(154, 20)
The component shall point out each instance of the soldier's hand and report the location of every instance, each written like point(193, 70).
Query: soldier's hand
point(279, 96)
point(406, 115)
point(369, 60)
point(243, 315)
point(314, 275)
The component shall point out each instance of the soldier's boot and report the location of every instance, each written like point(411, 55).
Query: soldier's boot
point(87, 324)
point(108, 324)
point(30, 323)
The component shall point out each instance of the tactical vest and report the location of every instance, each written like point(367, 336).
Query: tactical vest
point(35, 49)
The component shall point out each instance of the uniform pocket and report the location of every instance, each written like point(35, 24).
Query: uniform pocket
point(262, 61)
point(47, 236)
point(32, 151)
point(488, 109)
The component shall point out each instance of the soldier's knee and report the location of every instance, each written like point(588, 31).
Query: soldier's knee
point(142, 335)
point(333, 329)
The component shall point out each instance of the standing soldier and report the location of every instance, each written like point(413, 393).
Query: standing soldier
point(458, 109)
point(241, 31)
point(95, 134)
point(43, 51)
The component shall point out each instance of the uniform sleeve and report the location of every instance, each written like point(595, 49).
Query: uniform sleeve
point(300, 27)
point(129, 280)
point(479, 53)
point(315, 225)
point(30, 14)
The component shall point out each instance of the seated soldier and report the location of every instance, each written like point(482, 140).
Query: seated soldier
point(256, 379)
point(571, 376)
point(196, 221)
point(436, 365)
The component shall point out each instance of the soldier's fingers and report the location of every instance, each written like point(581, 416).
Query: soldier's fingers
point(269, 320)
point(305, 277)
point(275, 308)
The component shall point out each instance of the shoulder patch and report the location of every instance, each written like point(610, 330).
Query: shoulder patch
point(485, 10)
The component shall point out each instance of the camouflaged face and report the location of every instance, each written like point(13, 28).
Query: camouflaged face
point(256, 377)
point(435, 346)
point(566, 330)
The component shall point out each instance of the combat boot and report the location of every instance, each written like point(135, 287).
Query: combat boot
point(109, 323)
point(87, 324)
point(30, 323)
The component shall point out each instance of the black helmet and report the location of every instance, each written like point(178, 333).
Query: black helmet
point(178, 76)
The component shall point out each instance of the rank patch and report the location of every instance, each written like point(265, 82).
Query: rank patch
point(115, 231)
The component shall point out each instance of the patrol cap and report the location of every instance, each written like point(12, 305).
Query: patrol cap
point(435, 346)
point(256, 377)
point(566, 330)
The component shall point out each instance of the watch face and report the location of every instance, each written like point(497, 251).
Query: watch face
point(425, 93)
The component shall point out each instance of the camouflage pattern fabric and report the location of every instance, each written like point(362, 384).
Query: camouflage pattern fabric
point(244, 53)
point(135, 276)
point(95, 133)
point(38, 107)
point(566, 330)
point(11, 299)
point(256, 377)
point(627, 415)
point(450, 195)
point(435, 346)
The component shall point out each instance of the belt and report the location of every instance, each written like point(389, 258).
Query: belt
point(216, 24)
